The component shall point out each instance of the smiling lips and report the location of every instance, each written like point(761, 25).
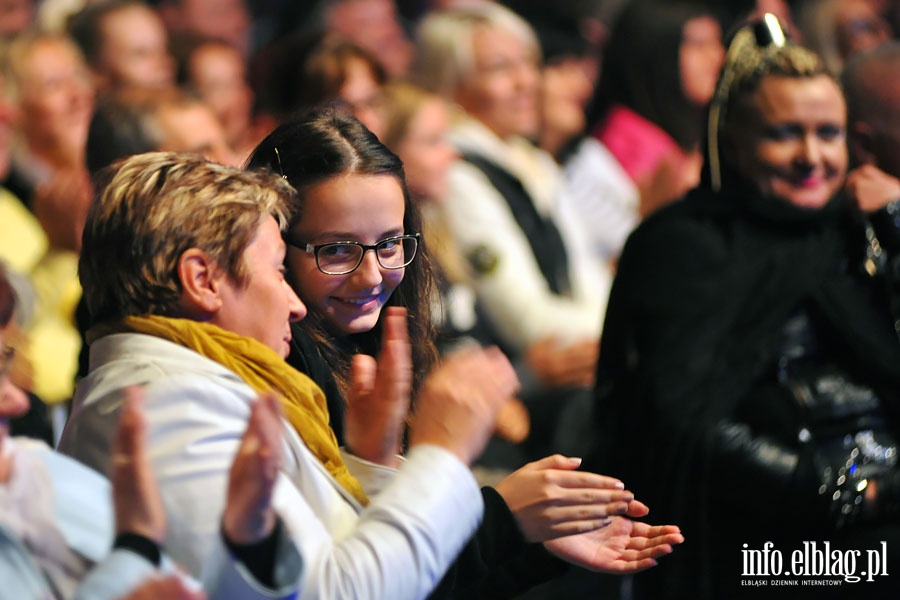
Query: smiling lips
point(364, 304)
point(807, 189)
point(809, 182)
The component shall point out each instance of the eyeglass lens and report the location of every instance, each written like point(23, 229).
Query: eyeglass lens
point(343, 258)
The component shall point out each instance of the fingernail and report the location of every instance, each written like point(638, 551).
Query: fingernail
point(629, 497)
point(575, 461)
point(605, 522)
point(619, 485)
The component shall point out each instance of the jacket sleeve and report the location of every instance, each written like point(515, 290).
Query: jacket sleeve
point(398, 547)
point(497, 562)
point(123, 571)
point(226, 578)
point(118, 574)
point(746, 462)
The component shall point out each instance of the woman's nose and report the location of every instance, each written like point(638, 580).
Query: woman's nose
point(810, 151)
point(369, 271)
point(295, 305)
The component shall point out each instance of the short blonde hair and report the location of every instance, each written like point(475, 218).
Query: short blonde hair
point(444, 53)
point(151, 208)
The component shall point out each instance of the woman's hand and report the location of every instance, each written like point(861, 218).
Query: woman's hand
point(564, 365)
point(513, 422)
point(136, 499)
point(872, 188)
point(458, 404)
point(623, 546)
point(379, 401)
point(249, 517)
point(549, 499)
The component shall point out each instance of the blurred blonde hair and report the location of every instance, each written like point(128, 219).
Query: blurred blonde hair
point(402, 102)
point(444, 53)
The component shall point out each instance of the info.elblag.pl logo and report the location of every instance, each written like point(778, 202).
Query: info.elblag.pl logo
point(812, 565)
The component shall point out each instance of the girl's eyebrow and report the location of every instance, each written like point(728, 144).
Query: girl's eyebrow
point(350, 237)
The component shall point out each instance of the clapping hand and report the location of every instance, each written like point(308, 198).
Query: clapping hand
point(624, 546)
point(379, 400)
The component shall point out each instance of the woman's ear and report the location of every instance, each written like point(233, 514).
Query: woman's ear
point(199, 274)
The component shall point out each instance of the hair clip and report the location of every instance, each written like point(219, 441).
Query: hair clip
point(769, 32)
point(280, 168)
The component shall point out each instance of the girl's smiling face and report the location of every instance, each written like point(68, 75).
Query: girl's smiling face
point(347, 208)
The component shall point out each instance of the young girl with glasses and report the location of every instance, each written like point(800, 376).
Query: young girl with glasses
point(352, 198)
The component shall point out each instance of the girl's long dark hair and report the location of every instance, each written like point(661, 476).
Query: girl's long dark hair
point(324, 143)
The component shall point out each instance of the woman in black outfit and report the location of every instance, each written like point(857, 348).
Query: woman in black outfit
point(750, 334)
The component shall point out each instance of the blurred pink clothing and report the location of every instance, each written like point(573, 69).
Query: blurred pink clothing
point(638, 144)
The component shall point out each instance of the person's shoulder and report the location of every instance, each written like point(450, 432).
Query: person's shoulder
point(126, 355)
point(64, 468)
point(689, 236)
point(695, 219)
point(81, 501)
point(170, 374)
point(18, 571)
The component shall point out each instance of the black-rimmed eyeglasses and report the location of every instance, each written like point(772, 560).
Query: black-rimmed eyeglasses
point(341, 258)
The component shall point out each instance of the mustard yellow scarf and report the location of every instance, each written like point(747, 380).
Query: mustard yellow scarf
point(263, 370)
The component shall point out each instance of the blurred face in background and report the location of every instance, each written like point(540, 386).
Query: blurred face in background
point(227, 20)
point(218, 75)
point(875, 134)
point(502, 89)
point(56, 97)
point(374, 26)
point(134, 49)
point(789, 140)
point(858, 27)
point(15, 16)
point(700, 58)
point(426, 151)
point(194, 128)
point(362, 92)
point(566, 88)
